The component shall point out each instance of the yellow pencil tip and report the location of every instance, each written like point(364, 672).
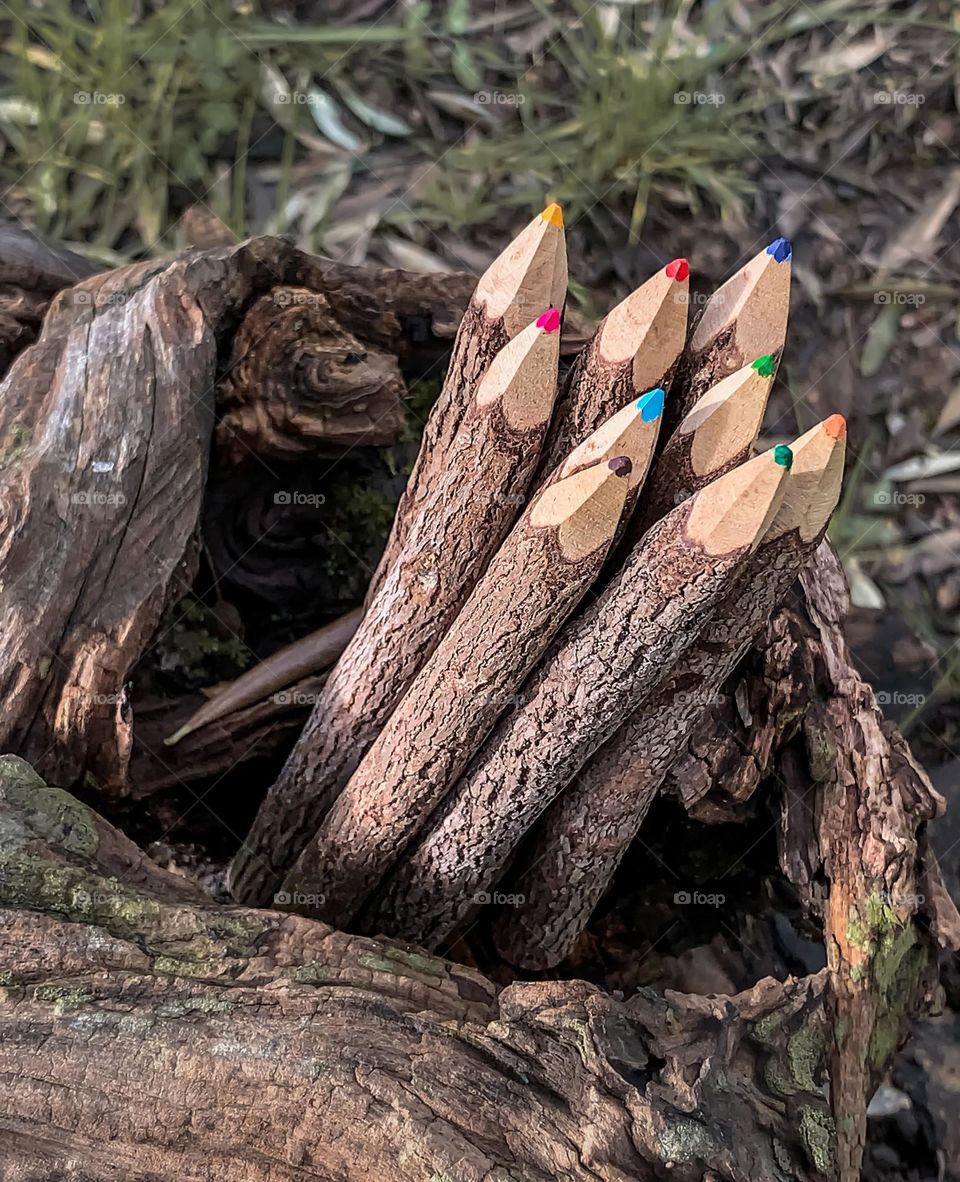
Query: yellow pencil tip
point(553, 214)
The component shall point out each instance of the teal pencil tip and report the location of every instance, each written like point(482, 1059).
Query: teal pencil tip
point(650, 405)
point(783, 456)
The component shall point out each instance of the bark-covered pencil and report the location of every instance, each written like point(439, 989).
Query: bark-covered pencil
point(744, 318)
point(635, 348)
point(536, 579)
point(467, 504)
point(717, 435)
point(528, 276)
point(594, 675)
point(569, 859)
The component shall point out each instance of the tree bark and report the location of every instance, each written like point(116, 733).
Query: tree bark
point(104, 489)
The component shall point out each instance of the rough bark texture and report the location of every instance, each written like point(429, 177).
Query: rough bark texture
point(105, 429)
point(531, 587)
point(478, 342)
point(571, 856)
point(871, 797)
point(296, 377)
point(593, 677)
point(32, 271)
point(469, 493)
point(149, 1034)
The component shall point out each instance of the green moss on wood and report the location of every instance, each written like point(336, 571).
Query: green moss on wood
point(818, 1134)
point(63, 997)
point(17, 442)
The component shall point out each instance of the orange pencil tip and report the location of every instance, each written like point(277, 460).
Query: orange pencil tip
point(553, 214)
point(835, 426)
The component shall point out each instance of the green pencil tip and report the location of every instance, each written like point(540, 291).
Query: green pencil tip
point(783, 456)
point(764, 366)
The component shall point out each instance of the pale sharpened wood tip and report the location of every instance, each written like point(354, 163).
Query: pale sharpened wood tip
point(632, 432)
point(755, 303)
point(523, 375)
point(649, 326)
point(727, 419)
point(530, 275)
point(735, 511)
point(813, 486)
point(584, 509)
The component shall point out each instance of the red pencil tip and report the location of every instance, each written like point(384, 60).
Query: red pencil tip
point(679, 269)
point(549, 321)
point(835, 426)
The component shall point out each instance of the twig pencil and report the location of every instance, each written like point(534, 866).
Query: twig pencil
point(536, 579)
point(716, 435)
point(467, 505)
point(528, 276)
point(570, 857)
point(635, 348)
point(743, 319)
point(309, 655)
point(594, 675)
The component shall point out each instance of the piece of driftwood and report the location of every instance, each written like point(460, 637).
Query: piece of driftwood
point(149, 1034)
point(32, 271)
point(105, 434)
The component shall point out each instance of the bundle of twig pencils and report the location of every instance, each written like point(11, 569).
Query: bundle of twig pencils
point(491, 721)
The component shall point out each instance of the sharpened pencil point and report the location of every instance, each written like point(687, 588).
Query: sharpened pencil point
point(553, 214)
point(650, 405)
point(764, 366)
point(549, 321)
point(781, 250)
point(620, 465)
point(679, 269)
point(835, 426)
point(783, 456)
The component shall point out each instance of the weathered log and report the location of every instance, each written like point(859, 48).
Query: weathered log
point(105, 429)
point(32, 271)
point(150, 1034)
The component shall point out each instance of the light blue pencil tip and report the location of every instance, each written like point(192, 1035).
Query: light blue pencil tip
point(650, 405)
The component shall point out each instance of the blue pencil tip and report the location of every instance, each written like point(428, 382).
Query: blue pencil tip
point(781, 250)
point(650, 405)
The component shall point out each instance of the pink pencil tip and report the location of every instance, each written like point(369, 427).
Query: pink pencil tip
point(549, 321)
point(679, 269)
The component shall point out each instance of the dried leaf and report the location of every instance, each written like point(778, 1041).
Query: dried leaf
point(326, 114)
point(921, 467)
point(374, 117)
point(880, 339)
point(950, 414)
point(848, 57)
point(918, 238)
point(864, 592)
